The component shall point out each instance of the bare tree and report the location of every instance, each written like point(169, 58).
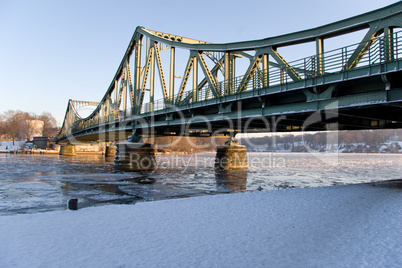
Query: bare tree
point(28, 125)
point(49, 124)
point(16, 125)
point(11, 119)
point(2, 126)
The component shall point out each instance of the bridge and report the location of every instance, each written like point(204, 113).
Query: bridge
point(251, 86)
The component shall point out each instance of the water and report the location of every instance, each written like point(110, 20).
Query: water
point(37, 183)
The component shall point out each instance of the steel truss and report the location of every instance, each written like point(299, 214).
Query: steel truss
point(212, 67)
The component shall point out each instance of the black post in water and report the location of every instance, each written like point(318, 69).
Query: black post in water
point(73, 204)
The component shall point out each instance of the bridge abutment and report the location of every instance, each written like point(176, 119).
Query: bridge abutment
point(135, 156)
point(68, 150)
point(231, 156)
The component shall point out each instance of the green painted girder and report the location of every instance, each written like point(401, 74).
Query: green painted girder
point(184, 81)
point(345, 102)
point(358, 100)
point(362, 49)
point(209, 76)
point(389, 15)
point(161, 73)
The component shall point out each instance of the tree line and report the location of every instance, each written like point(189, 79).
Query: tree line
point(13, 122)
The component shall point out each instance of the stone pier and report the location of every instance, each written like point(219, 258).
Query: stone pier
point(231, 156)
point(134, 156)
point(110, 151)
point(68, 150)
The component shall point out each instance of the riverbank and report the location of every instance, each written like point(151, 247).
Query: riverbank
point(353, 225)
point(9, 147)
point(32, 151)
point(38, 151)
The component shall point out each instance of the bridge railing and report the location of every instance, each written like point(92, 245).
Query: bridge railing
point(333, 61)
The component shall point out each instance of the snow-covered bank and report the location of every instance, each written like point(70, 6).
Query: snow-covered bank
point(11, 146)
point(353, 225)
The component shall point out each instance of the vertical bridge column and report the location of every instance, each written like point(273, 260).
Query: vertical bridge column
point(320, 56)
point(231, 156)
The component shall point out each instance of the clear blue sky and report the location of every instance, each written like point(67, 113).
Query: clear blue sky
point(55, 50)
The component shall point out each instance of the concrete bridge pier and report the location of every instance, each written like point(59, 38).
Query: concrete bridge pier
point(110, 151)
point(134, 156)
point(231, 156)
point(68, 150)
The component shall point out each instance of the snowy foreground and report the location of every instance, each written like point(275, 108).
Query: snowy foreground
point(353, 226)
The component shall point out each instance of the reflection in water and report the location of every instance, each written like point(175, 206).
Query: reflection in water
point(231, 180)
point(109, 159)
point(34, 183)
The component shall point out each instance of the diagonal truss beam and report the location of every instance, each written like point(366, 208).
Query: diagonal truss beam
point(122, 82)
point(137, 73)
point(208, 75)
point(285, 65)
point(215, 69)
point(370, 37)
point(186, 76)
point(161, 74)
point(130, 83)
point(254, 63)
point(145, 77)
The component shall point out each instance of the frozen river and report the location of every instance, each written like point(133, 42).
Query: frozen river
point(35, 183)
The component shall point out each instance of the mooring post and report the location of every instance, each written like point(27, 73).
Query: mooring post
point(73, 204)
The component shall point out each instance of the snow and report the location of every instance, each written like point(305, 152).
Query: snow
point(11, 146)
point(352, 225)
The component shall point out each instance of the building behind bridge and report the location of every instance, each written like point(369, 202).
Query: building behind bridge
point(30, 128)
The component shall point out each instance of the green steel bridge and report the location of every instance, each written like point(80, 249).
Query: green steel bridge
point(251, 86)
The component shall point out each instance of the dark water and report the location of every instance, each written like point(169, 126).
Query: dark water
point(36, 183)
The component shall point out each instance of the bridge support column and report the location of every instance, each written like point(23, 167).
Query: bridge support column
point(68, 150)
point(231, 156)
point(134, 156)
point(110, 151)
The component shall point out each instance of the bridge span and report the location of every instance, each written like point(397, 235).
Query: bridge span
point(208, 89)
